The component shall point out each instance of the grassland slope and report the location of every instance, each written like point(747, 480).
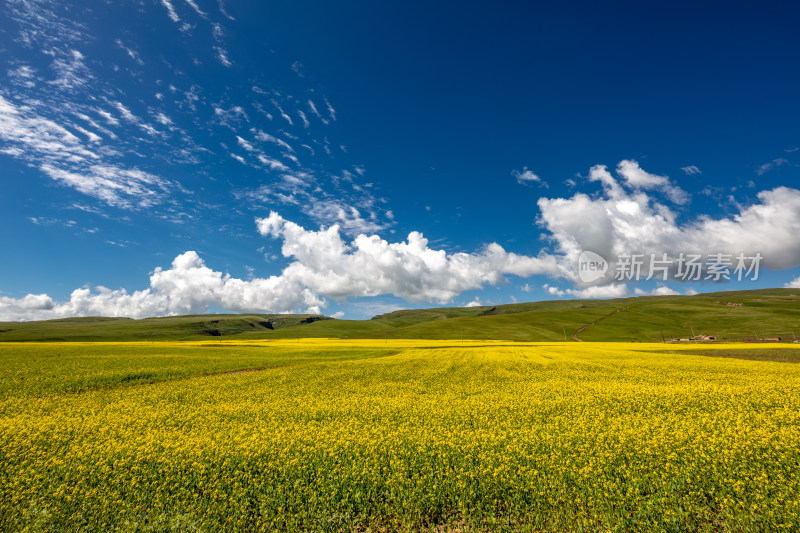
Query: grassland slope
point(731, 316)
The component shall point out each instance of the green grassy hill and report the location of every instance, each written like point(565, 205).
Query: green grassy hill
point(733, 316)
point(184, 327)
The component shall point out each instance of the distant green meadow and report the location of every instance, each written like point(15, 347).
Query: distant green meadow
point(741, 316)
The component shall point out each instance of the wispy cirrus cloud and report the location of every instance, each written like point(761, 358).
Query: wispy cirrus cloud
point(196, 8)
point(283, 113)
point(222, 56)
point(43, 23)
point(79, 118)
point(313, 108)
point(64, 157)
point(132, 54)
point(173, 15)
point(348, 217)
point(691, 170)
point(331, 110)
point(265, 160)
point(775, 163)
point(527, 177)
point(118, 187)
point(71, 71)
point(262, 136)
point(302, 116)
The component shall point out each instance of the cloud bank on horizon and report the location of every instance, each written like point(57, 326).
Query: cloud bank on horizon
point(324, 265)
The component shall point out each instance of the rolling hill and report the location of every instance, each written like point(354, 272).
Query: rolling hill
point(730, 316)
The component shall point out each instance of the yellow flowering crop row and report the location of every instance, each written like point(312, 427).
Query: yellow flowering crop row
point(332, 435)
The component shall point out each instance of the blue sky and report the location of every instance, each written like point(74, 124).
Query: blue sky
point(144, 147)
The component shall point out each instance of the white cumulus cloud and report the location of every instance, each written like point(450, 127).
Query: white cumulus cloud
point(661, 290)
point(324, 265)
point(626, 219)
point(188, 287)
point(637, 178)
point(369, 265)
point(613, 290)
point(794, 284)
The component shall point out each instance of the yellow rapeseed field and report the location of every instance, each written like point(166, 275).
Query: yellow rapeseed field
point(332, 435)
